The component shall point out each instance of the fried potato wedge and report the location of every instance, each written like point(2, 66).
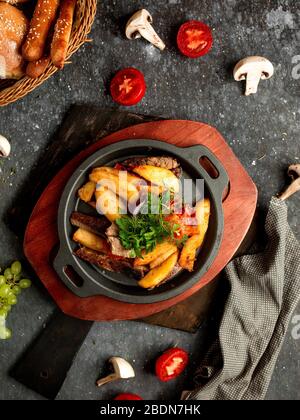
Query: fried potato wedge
point(161, 258)
point(122, 183)
point(90, 240)
point(202, 215)
point(157, 252)
point(87, 191)
point(188, 253)
point(159, 176)
point(160, 273)
point(109, 204)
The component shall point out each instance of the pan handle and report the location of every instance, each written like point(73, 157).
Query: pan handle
point(67, 273)
point(221, 180)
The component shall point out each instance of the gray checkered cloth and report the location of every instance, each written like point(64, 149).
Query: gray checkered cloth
point(264, 292)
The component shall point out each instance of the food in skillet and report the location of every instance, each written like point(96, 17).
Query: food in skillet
point(144, 227)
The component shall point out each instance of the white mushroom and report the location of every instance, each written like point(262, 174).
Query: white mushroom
point(294, 174)
point(139, 25)
point(122, 370)
point(4, 147)
point(252, 69)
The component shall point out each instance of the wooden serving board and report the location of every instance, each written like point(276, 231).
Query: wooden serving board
point(41, 238)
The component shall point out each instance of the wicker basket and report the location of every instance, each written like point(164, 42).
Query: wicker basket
point(11, 90)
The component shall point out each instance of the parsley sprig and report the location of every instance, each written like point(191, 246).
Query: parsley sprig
point(144, 231)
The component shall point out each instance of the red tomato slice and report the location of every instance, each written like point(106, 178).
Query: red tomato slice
point(120, 167)
point(194, 39)
point(127, 397)
point(171, 364)
point(184, 222)
point(128, 87)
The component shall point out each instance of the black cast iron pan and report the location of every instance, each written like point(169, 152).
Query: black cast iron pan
point(120, 286)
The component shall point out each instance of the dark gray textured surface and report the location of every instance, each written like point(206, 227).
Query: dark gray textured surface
point(263, 130)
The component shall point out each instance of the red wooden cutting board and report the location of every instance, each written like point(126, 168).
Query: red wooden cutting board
point(41, 236)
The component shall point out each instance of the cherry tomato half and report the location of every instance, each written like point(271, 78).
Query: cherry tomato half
point(127, 397)
point(128, 87)
point(194, 39)
point(185, 228)
point(171, 364)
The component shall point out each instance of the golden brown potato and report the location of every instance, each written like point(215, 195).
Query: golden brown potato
point(87, 191)
point(109, 204)
point(120, 182)
point(157, 252)
point(90, 240)
point(202, 215)
point(159, 176)
point(188, 253)
point(160, 273)
point(159, 260)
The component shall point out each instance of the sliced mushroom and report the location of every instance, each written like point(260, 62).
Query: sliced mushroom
point(139, 25)
point(252, 69)
point(122, 370)
point(4, 147)
point(294, 173)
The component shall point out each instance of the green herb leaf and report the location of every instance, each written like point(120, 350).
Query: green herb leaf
point(182, 241)
point(144, 231)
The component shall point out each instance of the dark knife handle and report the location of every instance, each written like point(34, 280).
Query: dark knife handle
point(44, 366)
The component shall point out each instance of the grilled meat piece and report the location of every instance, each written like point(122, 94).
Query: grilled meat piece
point(94, 224)
point(115, 243)
point(140, 272)
point(166, 162)
point(175, 271)
point(117, 248)
point(112, 230)
point(110, 264)
point(102, 260)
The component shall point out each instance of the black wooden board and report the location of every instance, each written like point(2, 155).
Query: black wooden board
point(45, 364)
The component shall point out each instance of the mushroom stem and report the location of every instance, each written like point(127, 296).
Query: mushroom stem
point(107, 379)
point(122, 370)
point(294, 173)
point(150, 35)
point(252, 82)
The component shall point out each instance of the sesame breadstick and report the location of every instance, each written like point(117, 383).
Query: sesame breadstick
point(62, 33)
point(43, 17)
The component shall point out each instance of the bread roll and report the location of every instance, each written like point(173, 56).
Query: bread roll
point(35, 68)
point(14, 1)
point(13, 29)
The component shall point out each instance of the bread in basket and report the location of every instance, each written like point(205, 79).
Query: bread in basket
point(12, 90)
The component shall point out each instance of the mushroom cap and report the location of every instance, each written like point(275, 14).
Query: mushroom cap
point(294, 171)
point(253, 65)
point(122, 368)
point(4, 146)
point(139, 19)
